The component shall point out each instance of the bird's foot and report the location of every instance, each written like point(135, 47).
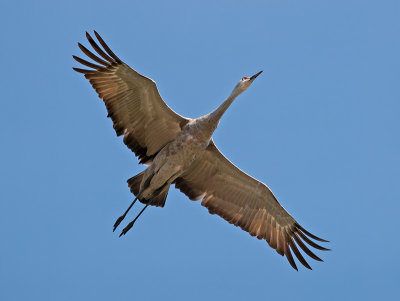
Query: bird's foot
point(127, 228)
point(119, 220)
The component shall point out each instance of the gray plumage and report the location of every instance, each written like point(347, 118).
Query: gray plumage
point(181, 151)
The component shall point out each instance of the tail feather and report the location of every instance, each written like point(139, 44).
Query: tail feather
point(159, 199)
point(134, 183)
point(160, 195)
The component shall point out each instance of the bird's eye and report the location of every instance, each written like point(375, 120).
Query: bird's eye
point(244, 78)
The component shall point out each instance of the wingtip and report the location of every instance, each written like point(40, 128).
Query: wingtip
point(88, 36)
point(320, 239)
point(96, 34)
point(78, 70)
point(310, 234)
point(305, 263)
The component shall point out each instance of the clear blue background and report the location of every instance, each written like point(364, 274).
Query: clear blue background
point(320, 127)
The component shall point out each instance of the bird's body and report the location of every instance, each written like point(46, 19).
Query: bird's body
point(181, 151)
point(175, 157)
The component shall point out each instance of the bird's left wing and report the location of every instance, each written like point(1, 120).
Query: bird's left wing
point(132, 101)
point(245, 202)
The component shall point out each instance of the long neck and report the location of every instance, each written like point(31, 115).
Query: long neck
point(216, 115)
point(209, 123)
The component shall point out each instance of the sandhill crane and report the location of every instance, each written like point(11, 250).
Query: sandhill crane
point(181, 151)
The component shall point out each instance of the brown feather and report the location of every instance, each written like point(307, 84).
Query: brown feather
point(280, 247)
point(86, 63)
point(289, 256)
point(305, 249)
point(106, 48)
point(309, 234)
point(297, 252)
point(310, 242)
point(98, 49)
point(84, 71)
point(91, 55)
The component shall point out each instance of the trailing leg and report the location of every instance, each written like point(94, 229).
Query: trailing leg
point(129, 226)
point(121, 218)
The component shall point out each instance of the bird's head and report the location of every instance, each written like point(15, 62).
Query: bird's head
point(244, 84)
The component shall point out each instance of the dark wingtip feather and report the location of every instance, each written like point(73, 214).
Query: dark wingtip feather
point(305, 249)
point(296, 251)
point(88, 64)
point(106, 48)
point(98, 49)
point(310, 242)
point(84, 71)
point(309, 234)
point(289, 256)
point(92, 56)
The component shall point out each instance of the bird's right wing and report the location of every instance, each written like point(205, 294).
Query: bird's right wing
point(245, 202)
point(132, 100)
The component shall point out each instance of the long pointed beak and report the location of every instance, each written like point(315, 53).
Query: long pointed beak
point(255, 75)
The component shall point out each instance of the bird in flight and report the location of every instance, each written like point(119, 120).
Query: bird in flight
point(181, 151)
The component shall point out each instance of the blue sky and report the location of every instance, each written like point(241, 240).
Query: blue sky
point(320, 127)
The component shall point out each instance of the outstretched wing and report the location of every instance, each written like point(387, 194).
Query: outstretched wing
point(132, 100)
point(245, 202)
